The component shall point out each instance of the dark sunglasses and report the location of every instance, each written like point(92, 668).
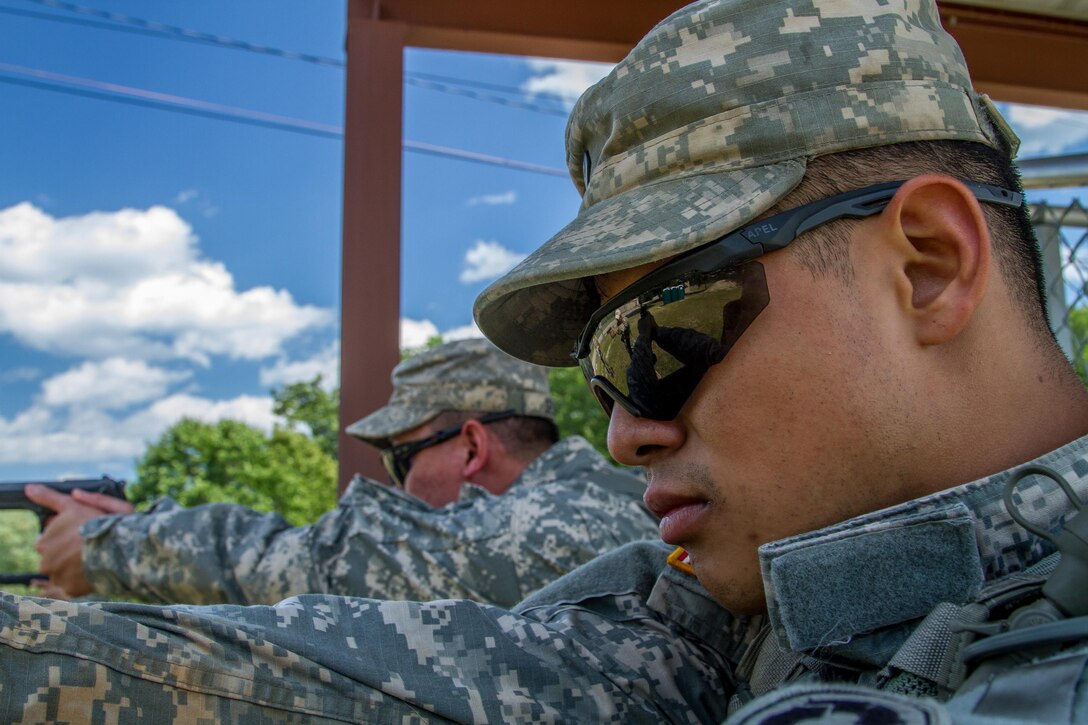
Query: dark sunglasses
point(650, 345)
point(397, 458)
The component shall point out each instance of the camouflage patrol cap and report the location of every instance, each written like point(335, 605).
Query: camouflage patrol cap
point(710, 120)
point(466, 375)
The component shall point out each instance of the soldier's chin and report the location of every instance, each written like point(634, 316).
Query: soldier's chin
point(737, 588)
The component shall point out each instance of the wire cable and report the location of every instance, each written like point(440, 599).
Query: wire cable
point(513, 90)
point(445, 151)
point(140, 26)
point(442, 84)
point(128, 23)
point(73, 85)
point(477, 96)
point(139, 96)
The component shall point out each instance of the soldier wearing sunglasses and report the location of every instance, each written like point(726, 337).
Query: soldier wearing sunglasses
point(804, 287)
point(487, 504)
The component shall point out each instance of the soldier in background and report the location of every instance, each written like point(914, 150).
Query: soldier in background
point(489, 505)
point(831, 490)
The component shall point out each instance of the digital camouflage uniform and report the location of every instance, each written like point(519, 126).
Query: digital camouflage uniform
point(567, 506)
point(625, 638)
point(707, 123)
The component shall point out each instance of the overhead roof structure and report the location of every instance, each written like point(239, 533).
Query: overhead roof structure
point(1023, 51)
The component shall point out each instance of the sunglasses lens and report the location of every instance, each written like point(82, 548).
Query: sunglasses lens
point(651, 353)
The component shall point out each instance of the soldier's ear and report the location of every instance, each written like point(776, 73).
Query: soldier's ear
point(477, 448)
point(940, 245)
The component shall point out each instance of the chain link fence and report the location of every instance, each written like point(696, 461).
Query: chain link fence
point(1062, 231)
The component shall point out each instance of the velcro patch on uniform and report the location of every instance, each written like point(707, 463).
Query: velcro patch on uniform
point(829, 588)
point(681, 561)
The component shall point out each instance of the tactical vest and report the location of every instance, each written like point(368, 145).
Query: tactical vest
point(1017, 654)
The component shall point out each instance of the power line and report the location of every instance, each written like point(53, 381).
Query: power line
point(73, 85)
point(140, 26)
point(433, 150)
point(166, 101)
point(476, 95)
point(514, 90)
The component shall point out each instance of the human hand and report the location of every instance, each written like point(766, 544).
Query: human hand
point(647, 326)
point(60, 545)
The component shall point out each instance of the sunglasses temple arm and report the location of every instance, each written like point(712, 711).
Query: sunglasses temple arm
point(857, 207)
point(872, 203)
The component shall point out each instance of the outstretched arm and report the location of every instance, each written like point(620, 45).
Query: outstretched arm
point(378, 542)
point(605, 657)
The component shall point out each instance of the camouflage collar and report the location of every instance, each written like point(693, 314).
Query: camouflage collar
point(851, 590)
point(572, 458)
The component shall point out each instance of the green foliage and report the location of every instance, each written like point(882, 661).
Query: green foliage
point(432, 341)
point(197, 463)
point(18, 531)
point(290, 472)
point(577, 411)
point(1077, 320)
point(311, 405)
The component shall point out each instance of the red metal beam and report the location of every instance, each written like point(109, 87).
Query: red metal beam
point(1022, 58)
point(1012, 56)
point(370, 266)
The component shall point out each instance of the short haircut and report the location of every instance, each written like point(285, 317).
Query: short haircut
point(525, 436)
point(822, 251)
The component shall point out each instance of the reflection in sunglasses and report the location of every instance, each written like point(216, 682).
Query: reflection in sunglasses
point(682, 330)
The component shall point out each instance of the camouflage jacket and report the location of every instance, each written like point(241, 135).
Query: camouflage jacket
point(625, 638)
point(568, 506)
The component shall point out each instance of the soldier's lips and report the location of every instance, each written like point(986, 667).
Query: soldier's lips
point(680, 515)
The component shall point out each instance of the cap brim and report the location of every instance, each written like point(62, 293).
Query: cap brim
point(537, 310)
point(379, 427)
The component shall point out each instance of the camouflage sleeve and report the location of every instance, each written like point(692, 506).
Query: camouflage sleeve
point(495, 549)
point(217, 553)
point(320, 658)
point(378, 543)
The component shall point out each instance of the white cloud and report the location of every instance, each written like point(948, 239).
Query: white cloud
point(108, 248)
point(488, 260)
point(564, 78)
point(80, 434)
point(109, 384)
point(202, 205)
point(325, 363)
point(506, 197)
point(251, 409)
point(131, 283)
point(416, 333)
point(465, 332)
point(20, 375)
point(1046, 131)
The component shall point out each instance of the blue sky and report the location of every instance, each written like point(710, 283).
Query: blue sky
point(155, 264)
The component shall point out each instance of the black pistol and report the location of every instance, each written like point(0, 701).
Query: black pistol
point(13, 498)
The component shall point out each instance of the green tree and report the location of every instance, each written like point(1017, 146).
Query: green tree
point(1077, 319)
point(229, 461)
point(432, 341)
point(18, 531)
point(577, 412)
point(311, 405)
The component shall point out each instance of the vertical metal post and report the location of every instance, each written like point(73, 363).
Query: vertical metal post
point(370, 274)
point(1048, 232)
